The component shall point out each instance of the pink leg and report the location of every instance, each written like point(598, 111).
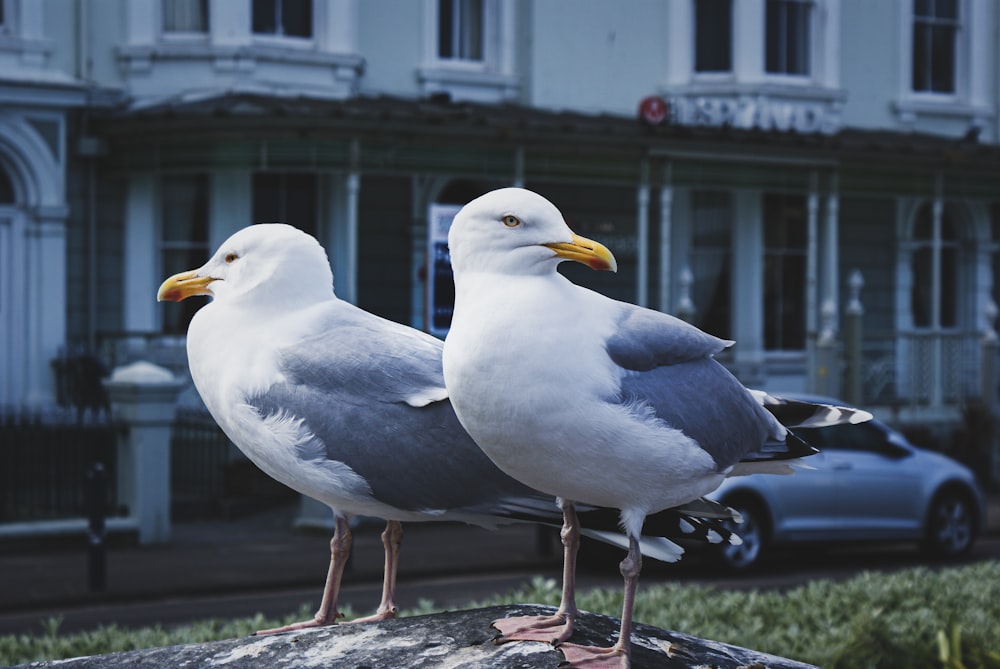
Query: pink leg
point(340, 550)
point(618, 656)
point(392, 537)
point(558, 627)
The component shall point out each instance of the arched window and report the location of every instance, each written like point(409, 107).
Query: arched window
point(926, 298)
point(7, 194)
point(995, 251)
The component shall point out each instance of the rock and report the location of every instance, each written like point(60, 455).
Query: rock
point(458, 639)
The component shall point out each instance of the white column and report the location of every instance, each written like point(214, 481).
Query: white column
point(144, 398)
point(812, 283)
point(937, 373)
point(748, 285)
point(141, 255)
point(680, 46)
point(337, 26)
point(141, 20)
point(748, 40)
point(666, 234)
point(812, 259)
point(831, 248)
point(46, 300)
point(349, 276)
point(229, 22)
point(642, 237)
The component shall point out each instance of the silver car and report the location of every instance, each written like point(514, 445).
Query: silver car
point(868, 483)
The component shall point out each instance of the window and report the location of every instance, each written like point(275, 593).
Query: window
point(713, 25)
point(185, 16)
point(862, 437)
point(784, 272)
point(995, 256)
point(286, 197)
point(923, 293)
point(711, 256)
point(788, 41)
point(461, 26)
point(7, 194)
point(935, 26)
point(283, 18)
point(183, 239)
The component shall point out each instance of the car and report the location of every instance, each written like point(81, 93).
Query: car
point(867, 483)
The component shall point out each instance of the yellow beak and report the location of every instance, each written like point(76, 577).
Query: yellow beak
point(182, 286)
point(593, 254)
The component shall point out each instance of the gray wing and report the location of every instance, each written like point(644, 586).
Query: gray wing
point(671, 370)
point(351, 384)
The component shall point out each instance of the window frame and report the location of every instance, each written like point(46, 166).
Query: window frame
point(281, 39)
point(952, 279)
point(931, 22)
point(810, 50)
point(697, 34)
point(492, 27)
point(195, 248)
point(708, 203)
point(780, 212)
point(458, 20)
point(185, 35)
point(490, 80)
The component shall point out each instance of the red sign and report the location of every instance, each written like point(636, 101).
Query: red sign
point(653, 109)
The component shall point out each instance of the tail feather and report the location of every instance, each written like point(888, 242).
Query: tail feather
point(801, 414)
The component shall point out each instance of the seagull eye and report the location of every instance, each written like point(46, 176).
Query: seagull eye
point(231, 258)
point(511, 221)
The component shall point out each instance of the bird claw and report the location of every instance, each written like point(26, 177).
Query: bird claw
point(547, 629)
point(312, 623)
point(591, 657)
point(379, 616)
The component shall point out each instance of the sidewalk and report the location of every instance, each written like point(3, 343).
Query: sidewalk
point(260, 553)
point(249, 562)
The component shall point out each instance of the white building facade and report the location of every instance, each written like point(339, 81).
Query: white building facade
point(742, 158)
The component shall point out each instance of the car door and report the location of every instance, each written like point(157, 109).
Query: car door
point(876, 481)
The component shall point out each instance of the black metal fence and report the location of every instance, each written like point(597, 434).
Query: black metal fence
point(46, 455)
point(209, 476)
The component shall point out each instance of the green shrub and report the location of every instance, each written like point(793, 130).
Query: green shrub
point(873, 620)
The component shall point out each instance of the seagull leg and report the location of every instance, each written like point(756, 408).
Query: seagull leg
point(392, 537)
point(340, 550)
point(618, 656)
point(558, 627)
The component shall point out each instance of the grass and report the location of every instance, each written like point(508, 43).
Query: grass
point(941, 618)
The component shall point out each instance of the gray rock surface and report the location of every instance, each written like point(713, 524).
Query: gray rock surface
point(459, 639)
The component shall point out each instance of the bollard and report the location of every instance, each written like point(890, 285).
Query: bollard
point(97, 496)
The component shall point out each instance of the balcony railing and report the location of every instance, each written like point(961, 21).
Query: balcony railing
point(922, 369)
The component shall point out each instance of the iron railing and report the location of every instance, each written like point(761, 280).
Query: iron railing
point(46, 456)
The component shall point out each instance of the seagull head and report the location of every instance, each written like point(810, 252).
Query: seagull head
point(272, 264)
point(517, 231)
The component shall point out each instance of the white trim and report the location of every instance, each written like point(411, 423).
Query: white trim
point(158, 64)
point(749, 83)
point(142, 230)
point(975, 53)
point(491, 80)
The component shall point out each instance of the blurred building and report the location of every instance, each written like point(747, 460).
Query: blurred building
point(742, 158)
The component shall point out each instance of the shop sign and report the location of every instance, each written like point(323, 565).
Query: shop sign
point(744, 113)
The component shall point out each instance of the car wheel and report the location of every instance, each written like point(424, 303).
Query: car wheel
point(950, 529)
point(753, 530)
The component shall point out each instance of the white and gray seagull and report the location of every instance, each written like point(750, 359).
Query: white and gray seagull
point(593, 400)
point(351, 409)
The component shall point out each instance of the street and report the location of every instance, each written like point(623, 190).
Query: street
point(288, 575)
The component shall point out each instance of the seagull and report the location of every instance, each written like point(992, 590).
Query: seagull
point(351, 409)
point(593, 400)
